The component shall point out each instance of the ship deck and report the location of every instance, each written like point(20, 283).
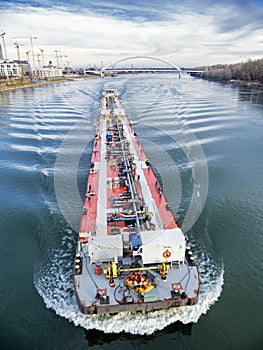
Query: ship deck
point(126, 219)
point(183, 278)
point(104, 193)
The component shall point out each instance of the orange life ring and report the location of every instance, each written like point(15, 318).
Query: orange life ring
point(167, 254)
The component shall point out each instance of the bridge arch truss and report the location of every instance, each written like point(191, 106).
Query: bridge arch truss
point(140, 57)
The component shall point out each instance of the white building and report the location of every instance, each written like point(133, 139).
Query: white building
point(9, 69)
point(14, 69)
point(47, 72)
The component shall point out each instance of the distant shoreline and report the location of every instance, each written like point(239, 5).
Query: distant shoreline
point(247, 84)
point(18, 85)
point(247, 74)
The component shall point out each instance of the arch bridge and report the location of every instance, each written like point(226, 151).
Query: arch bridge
point(113, 68)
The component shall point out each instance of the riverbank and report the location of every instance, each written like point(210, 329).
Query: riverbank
point(247, 84)
point(17, 84)
point(234, 82)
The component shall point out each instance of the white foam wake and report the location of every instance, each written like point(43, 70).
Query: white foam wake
point(54, 283)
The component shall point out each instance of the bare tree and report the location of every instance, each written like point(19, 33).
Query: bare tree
point(249, 71)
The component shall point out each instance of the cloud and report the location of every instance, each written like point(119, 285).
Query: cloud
point(239, 15)
point(192, 34)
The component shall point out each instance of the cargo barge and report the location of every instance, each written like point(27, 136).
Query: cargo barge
point(131, 253)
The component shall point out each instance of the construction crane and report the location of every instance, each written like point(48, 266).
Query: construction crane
point(3, 38)
point(17, 45)
point(61, 63)
point(27, 55)
point(68, 67)
point(57, 57)
point(32, 49)
point(42, 52)
point(38, 59)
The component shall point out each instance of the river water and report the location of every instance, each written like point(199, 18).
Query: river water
point(205, 141)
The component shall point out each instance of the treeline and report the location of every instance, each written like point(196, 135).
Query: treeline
point(249, 71)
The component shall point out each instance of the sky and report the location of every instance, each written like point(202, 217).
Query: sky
point(186, 33)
